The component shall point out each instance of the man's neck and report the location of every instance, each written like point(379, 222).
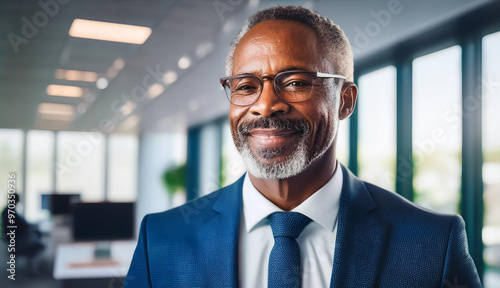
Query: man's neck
point(291, 192)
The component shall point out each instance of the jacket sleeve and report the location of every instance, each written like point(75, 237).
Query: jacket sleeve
point(459, 268)
point(138, 273)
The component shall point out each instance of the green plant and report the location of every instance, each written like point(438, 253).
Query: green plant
point(174, 178)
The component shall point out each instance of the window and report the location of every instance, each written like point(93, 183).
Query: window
point(80, 164)
point(160, 152)
point(377, 127)
point(491, 159)
point(342, 148)
point(122, 155)
point(210, 159)
point(11, 160)
point(232, 165)
point(437, 126)
point(39, 172)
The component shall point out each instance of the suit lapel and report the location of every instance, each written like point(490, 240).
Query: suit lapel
point(220, 238)
point(359, 247)
point(361, 237)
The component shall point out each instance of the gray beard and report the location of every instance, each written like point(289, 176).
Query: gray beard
point(291, 166)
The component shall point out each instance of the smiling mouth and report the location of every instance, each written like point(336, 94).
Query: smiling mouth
point(273, 138)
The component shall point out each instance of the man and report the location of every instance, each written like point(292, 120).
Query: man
point(298, 217)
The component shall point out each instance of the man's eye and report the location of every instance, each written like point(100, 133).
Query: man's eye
point(245, 87)
point(296, 84)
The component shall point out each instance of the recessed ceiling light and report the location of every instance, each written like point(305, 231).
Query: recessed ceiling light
point(128, 107)
point(76, 75)
point(90, 97)
point(308, 5)
point(115, 68)
point(112, 72)
point(184, 62)
point(155, 90)
point(81, 108)
point(169, 77)
point(54, 111)
point(204, 48)
point(107, 31)
point(119, 64)
point(102, 83)
point(64, 90)
point(229, 26)
point(130, 122)
point(253, 3)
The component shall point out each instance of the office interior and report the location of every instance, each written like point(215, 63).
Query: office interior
point(101, 124)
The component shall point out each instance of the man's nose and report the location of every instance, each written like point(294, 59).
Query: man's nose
point(269, 103)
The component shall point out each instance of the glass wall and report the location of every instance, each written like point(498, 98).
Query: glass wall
point(232, 165)
point(437, 129)
point(39, 172)
point(11, 161)
point(159, 153)
point(80, 164)
point(342, 148)
point(210, 158)
point(377, 127)
point(122, 156)
point(491, 159)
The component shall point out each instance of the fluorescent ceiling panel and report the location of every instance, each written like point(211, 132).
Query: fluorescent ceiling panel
point(64, 90)
point(76, 75)
point(54, 111)
point(107, 31)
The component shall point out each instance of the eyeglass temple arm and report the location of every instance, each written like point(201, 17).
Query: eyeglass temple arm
point(326, 75)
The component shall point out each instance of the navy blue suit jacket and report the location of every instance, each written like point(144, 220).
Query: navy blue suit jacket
point(382, 240)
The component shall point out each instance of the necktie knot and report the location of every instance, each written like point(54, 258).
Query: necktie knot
point(288, 224)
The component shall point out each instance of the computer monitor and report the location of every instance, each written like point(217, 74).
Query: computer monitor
point(46, 198)
point(103, 221)
point(59, 204)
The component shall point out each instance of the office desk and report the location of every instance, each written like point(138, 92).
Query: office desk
point(76, 266)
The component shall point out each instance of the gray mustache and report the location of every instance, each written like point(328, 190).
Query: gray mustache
point(274, 123)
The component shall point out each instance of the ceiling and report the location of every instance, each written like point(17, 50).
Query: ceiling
point(199, 29)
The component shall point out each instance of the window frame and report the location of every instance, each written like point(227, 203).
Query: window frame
point(466, 30)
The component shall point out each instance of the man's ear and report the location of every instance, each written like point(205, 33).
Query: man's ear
point(348, 96)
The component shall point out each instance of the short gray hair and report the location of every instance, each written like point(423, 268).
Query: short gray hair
point(338, 46)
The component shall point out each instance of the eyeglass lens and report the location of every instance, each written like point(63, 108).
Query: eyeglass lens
point(291, 87)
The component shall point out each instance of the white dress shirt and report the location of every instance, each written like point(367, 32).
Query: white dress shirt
point(317, 240)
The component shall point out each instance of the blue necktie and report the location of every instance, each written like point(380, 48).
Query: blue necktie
point(284, 260)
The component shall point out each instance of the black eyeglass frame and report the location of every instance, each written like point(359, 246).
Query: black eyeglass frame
point(264, 77)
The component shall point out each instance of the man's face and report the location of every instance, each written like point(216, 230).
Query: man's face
point(277, 139)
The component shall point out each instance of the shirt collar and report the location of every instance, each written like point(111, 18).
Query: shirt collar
point(322, 206)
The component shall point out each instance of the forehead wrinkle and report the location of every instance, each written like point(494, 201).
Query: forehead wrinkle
point(255, 51)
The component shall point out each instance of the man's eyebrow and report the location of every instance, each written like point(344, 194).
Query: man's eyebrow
point(287, 68)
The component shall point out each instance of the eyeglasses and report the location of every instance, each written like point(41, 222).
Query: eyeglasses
point(291, 86)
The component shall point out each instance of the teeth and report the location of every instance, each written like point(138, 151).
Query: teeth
point(268, 136)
